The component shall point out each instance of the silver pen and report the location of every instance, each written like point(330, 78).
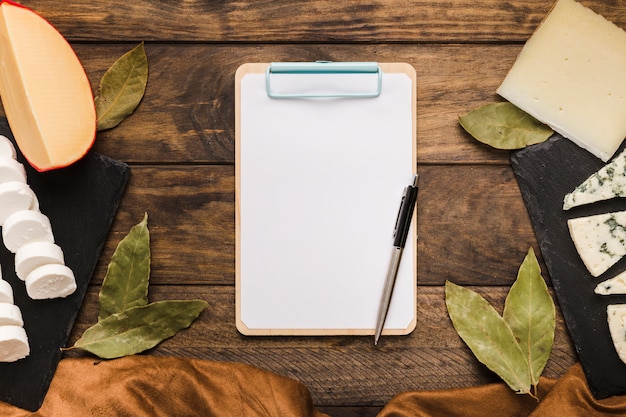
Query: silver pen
point(401, 232)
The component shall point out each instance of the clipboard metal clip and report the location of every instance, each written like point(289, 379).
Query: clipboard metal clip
point(324, 67)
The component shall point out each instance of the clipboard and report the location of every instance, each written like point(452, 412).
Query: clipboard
point(323, 153)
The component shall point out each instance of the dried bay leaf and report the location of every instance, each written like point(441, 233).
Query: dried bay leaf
point(137, 329)
point(504, 126)
point(126, 281)
point(530, 313)
point(121, 88)
point(488, 336)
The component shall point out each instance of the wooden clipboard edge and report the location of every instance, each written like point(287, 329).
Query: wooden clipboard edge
point(256, 68)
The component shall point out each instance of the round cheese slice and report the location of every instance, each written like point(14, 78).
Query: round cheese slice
point(6, 292)
point(24, 227)
point(15, 196)
point(10, 315)
point(13, 343)
point(11, 170)
point(50, 281)
point(35, 254)
point(7, 150)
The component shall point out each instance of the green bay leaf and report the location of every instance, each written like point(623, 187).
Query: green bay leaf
point(126, 281)
point(504, 126)
point(121, 88)
point(488, 336)
point(530, 313)
point(137, 329)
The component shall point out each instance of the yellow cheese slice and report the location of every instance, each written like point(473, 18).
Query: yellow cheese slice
point(45, 92)
point(571, 75)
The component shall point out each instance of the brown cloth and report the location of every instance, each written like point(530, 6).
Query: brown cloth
point(153, 386)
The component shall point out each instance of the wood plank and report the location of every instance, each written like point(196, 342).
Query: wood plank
point(339, 371)
point(472, 224)
point(187, 115)
point(304, 21)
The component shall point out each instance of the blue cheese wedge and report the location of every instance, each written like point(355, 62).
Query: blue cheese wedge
point(606, 183)
point(615, 285)
point(616, 317)
point(599, 239)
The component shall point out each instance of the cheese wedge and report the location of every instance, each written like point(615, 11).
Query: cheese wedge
point(607, 183)
point(615, 285)
point(599, 240)
point(616, 317)
point(570, 76)
point(45, 92)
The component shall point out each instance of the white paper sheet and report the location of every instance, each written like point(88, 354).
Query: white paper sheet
point(319, 186)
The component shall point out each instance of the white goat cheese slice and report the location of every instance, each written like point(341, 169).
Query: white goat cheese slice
point(11, 170)
point(615, 285)
point(6, 292)
point(13, 343)
point(599, 239)
point(50, 281)
point(606, 183)
point(7, 150)
point(570, 76)
point(616, 317)
point(10, 315)
point(24, 227)
point(15, 196)
point(36, 254)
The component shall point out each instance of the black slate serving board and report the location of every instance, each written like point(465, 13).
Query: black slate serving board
point(80, 202)
point(546, 172)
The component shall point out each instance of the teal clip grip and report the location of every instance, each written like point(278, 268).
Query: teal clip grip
point(324, 67)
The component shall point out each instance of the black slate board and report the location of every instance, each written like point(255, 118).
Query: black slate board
point(546, 173)
point(80, 202)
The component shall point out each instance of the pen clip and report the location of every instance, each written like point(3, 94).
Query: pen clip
point(404, 194)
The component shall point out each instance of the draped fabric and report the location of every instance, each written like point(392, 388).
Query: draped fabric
point(165, 386)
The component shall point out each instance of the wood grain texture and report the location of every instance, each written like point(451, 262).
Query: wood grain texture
point(187, 115)
point(473, 226)
point(339, 371)
point(304, 21)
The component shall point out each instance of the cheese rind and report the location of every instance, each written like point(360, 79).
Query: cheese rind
point(13, 343)
point(599, 239)
point(570, 76)
point(606, 183)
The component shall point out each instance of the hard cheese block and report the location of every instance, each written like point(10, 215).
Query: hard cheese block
point(80, 201)
point(571, 75)
point(545, 173)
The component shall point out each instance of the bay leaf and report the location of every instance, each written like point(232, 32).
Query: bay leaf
point(530, 313)
point(504, 126)
point(121, 88)
point(137, 329)
point(126, 281)
point(488, 336)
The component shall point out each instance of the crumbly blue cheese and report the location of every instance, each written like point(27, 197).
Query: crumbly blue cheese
point(615, 285)
point(599, 239)
point(606, 183)
point(616, 317)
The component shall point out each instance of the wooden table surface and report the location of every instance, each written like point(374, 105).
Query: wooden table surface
point(473, 226)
